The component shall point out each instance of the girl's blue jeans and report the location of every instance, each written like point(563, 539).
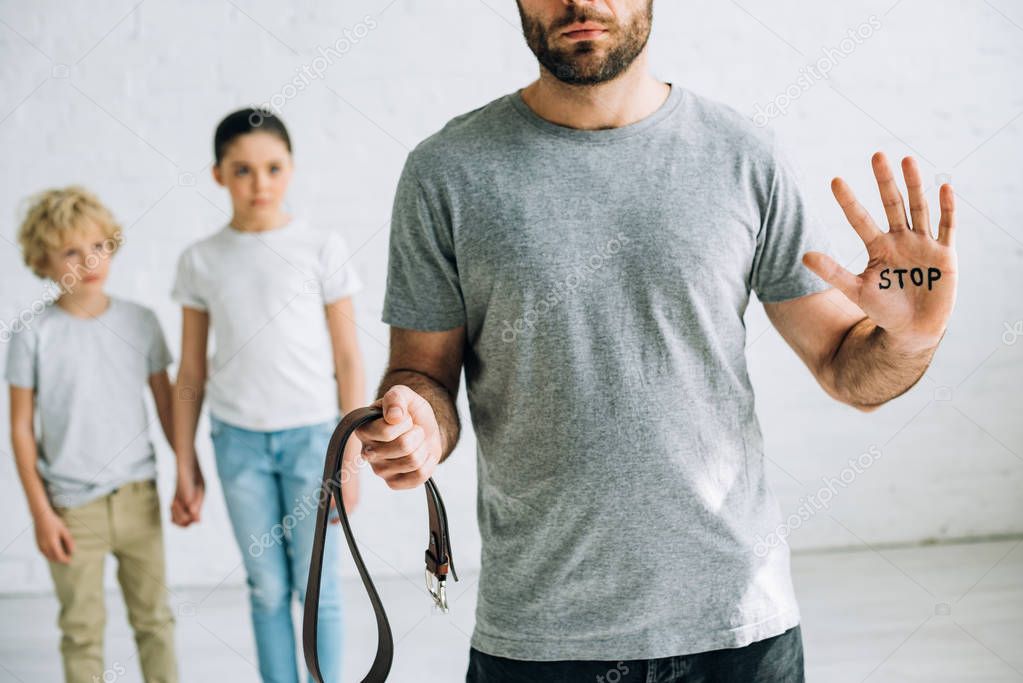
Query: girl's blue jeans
point(271, 483)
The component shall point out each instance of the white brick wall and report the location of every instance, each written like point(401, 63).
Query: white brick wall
point(124, 97)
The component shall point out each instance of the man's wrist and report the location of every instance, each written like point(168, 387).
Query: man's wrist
point(907, 344)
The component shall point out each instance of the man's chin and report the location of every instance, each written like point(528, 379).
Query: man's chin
point(578, 67)
point(573, 75)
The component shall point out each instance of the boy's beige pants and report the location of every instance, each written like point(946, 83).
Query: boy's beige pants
point(126, 524)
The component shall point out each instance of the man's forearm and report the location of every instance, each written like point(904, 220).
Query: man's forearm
point(871, 367)
point(437, 395)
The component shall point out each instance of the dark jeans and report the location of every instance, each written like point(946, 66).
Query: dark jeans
point(774, 660)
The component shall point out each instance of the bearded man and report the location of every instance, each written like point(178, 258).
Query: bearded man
point(585, 247)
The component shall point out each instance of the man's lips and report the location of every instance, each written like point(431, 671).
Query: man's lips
point(586, 31)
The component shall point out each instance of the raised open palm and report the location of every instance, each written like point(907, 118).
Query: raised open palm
point(909, 285)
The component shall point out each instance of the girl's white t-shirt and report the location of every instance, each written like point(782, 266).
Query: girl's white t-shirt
point(272, 365)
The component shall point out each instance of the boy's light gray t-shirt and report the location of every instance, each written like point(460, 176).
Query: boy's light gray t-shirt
point(602, 278)
point(90, 377)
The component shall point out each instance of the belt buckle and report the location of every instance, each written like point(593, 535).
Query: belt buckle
point(435, 586)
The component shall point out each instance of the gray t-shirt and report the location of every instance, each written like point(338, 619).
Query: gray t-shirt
point(602, 277)
point(89, 377)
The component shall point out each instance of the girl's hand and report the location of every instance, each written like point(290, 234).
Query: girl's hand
point(350, 492)
point(178, 514)
point(349, 478)
point(53, 538)
point(188, 497)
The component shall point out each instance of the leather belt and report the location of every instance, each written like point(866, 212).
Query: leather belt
point(438, 554)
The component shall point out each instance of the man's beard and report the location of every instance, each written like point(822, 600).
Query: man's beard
point(579, 63)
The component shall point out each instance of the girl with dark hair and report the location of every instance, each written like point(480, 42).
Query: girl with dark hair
point(277, 295)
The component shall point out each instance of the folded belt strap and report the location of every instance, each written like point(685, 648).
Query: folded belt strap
point(438, 554)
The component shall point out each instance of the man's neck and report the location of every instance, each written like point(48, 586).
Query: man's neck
point(631, 97)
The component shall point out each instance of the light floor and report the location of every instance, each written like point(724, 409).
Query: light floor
point(936, 613)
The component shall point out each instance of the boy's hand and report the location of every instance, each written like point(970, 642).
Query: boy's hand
point(188, 496)
point(53, 538)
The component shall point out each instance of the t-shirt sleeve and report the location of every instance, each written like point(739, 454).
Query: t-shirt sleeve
point(186, 284)
point(423, 290)
point(787, 231)
point(158, 356)
point(21, 370)
point(339, 278)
